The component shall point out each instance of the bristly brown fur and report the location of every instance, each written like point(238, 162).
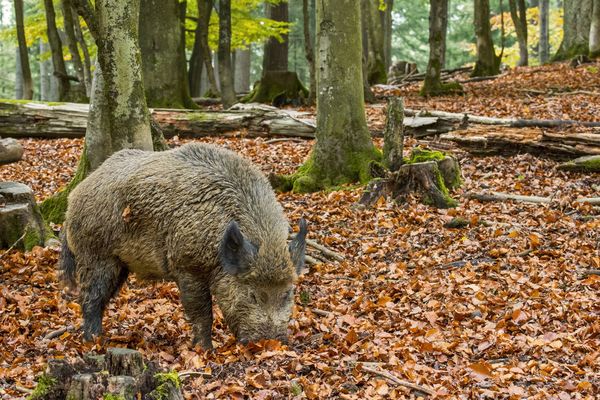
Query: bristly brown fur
point(163, 216)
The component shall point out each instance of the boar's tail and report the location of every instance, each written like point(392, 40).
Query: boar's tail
point(66, 263)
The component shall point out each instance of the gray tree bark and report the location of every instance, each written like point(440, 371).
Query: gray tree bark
point(163, 54)
point(388, 33)
point(276, 53)
point(45, 75)
point(488, 63)
point(228, 97)
point(595, 30)
point(518, 13)
point(58, 63)
point(309, 51)
point(376, 54)
point(119, 117)
point(18, 75)
point(576, 26)
point(344, 149)
point(201, 52)
point(242, 70)
point(71, 39)
point(544, 31)
point(23, 52)
point(87, 64)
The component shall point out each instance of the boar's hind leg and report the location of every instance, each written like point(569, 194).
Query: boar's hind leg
point(197, 303)
point(100, 280)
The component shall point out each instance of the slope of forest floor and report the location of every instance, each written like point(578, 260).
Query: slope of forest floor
point(502, 308)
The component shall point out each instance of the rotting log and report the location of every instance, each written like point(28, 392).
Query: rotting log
point(483, 141)
point(10, 151)
point(69, 120)
point(582, 164)
point(498, 196)
point(126, 377)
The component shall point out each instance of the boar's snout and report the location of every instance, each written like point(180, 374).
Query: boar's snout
point(282, 337)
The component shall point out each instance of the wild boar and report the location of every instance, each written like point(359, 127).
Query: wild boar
point(199, 215)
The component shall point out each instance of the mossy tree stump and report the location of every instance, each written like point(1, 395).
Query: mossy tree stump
point(21, 224)
point(432, 174)
point(278, 88)
point(119, 375)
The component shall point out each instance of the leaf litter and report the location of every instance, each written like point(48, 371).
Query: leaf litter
point(500, 308)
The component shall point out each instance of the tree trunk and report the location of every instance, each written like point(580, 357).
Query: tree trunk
point(518, 13)
point(576, 27)
point(69, 25)
point(45, 74)
point(23, 52)
point(438, 20)
point(118, 103)
point(242, 70)
point(343, 150)
point(197, 58)
point(276, 53)
point(225, 74)
point(388, 30)
point(595, 30)
point(87, 64)
point(544, 44)
point(309, 52)
point(376, 55)
point(18, 75)
point(488, 63)
point(163, 54)
point(364, 30)
point(58, 63)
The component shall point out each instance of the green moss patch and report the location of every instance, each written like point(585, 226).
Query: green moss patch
point(44, 386)
point(447, 88)
point(582, 164)
point(423, 155)
point(281, 85)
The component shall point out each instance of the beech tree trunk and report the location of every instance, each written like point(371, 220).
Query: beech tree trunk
point(242, 70)
point(343, 150)
point(162, 44)
point(201, 57)
point(438, 21)
point(377, 72)
point(544, 44)
point(45, 75)
point(364, 24)
point(576, 27)
point(225, 74)
point(80, 94)
point(276, 53)
point(118, 101)
point(87, 64)
point(309, 52)
point(388, 30)
point(27, 82)
point(488, 63)
point(58, 63)
point(595, 30)
point(518, 13)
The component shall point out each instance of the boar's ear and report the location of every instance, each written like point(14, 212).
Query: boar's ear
point(235, 251)
point(298, 246)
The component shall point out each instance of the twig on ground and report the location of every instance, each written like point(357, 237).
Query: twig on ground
point(325, 250)
point(13, 245)
point(285, 140)
point(23, 389)
point(588, 272)
point(311, 260)
point(398, 381)
point(58, 332)
point(322, 313)
point(192, 374)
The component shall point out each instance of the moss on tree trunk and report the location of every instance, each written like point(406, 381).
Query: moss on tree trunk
point(344, 149)
point(576, 27)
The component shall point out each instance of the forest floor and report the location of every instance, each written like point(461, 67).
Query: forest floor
point(502, 308)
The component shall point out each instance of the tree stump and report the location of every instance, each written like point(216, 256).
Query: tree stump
point(278, 88)
point(432, 174)
point(121, 374)
point(21, 224)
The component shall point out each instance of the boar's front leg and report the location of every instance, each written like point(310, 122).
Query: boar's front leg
point(101, 279)
point(197, 303)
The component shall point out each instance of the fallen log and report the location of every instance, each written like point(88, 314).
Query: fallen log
point(483, 141)
point(69, 120)
point(10, 151)
point(497, 196)
point(582, 164)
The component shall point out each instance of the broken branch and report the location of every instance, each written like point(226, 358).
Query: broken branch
point(398, 381)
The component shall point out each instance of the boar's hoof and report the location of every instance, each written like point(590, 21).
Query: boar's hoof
point(204, 342)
